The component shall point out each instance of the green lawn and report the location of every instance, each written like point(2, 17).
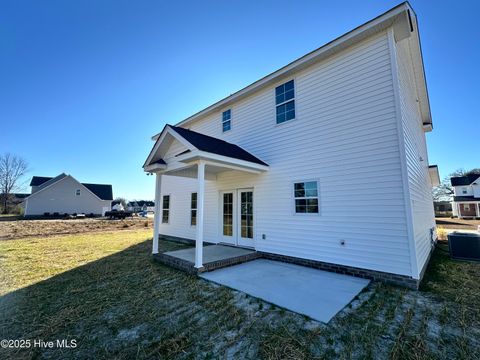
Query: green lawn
point(103, 290)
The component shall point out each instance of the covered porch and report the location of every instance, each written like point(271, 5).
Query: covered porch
point(185, 153)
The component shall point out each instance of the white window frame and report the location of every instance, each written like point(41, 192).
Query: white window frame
point(229, 120)
point(169, 208)
point(77, 192)
point(292, 192)
point(294, 99)
point(192, 209)
point(464, 190)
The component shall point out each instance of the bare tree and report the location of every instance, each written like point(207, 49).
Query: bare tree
point(475, 171)
point(444, 191)
point(12, 168)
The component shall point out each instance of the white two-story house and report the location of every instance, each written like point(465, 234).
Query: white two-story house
point(466, 196)
point(323, 161)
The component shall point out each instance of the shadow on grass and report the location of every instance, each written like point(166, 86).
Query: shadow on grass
point(123, 305)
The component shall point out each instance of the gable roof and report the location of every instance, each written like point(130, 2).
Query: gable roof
point(39, 180)
point(215, 146)
point(401, 17)
point(45, 181)
point(103, 191)
point(464, 180)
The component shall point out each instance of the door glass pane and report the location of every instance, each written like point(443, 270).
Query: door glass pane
point(228, 214)
point(246, 214)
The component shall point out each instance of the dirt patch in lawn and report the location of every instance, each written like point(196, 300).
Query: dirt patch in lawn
point(27, 228)
point(465, 224)
point(104, 291)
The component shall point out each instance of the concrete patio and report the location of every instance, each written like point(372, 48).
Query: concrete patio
point(315, 293)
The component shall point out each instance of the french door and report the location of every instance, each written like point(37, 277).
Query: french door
point(237, 220)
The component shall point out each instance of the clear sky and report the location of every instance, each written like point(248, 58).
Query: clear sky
point(85, 84)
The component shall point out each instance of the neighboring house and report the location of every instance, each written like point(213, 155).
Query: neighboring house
point(466, 196)
point(324, 160)
point(148, 206)
point(63, 194)
point(133, 206)
point(442, 208)
point(117, 206)
point(140, 205)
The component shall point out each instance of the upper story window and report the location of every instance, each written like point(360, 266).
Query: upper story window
point(193, 209)
point(77, 192)
point(285, 102)
point(306, 197)
point(166, 209)
point(227, 120)
point(464, 190)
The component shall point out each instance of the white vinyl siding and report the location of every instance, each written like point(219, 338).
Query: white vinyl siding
point(346, 136)
point(416, 156)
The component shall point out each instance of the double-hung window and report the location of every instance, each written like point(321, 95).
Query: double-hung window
point(193, 209)
point(285, 102)
point(227, 120)
point(77, 192)
point(306, 197)
point(166, 209)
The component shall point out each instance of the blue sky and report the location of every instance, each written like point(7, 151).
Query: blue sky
point(84, 84)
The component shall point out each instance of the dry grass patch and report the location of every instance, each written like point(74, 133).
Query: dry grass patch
point(104, 291)
point(27, 228)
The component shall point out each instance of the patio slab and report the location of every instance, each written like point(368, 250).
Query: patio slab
point(315, 293)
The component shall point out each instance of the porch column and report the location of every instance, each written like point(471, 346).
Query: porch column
point(200, 202)
point(157, 216)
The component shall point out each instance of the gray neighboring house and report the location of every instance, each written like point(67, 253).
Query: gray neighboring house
point(64, 194)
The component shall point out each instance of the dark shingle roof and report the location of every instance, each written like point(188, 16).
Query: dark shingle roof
point(464, 180)
point(104, 192)
point(216, 146)
point(465, 198)
point(39, 180)
point(141, 203)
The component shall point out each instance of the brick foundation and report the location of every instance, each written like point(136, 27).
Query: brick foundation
point(399, 280)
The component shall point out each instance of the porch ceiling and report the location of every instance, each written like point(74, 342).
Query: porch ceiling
point(211, 170)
